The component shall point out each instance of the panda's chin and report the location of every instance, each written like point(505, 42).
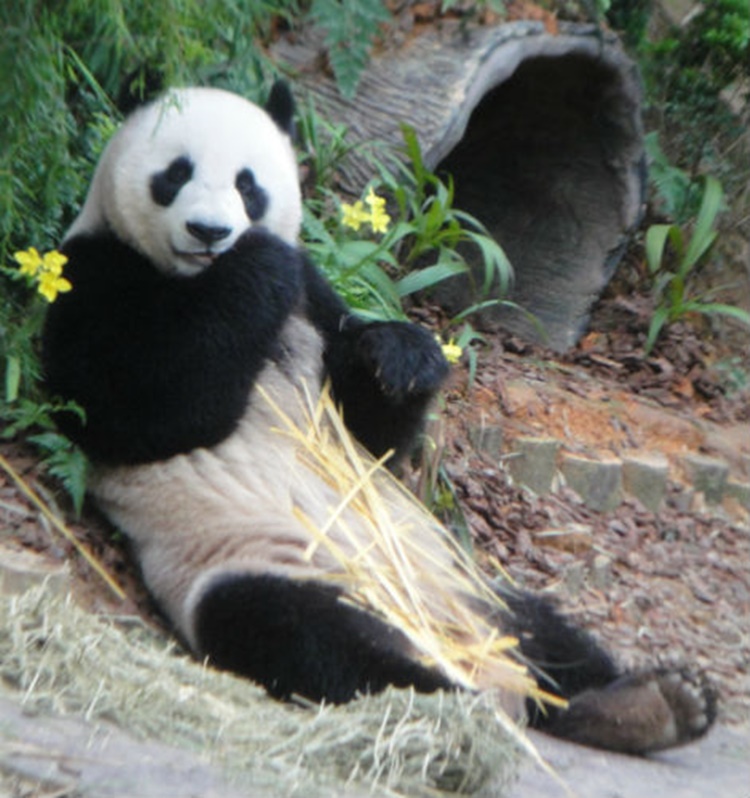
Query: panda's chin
point(191, 263)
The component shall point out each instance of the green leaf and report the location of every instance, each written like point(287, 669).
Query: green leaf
point(414, 154)
point(420, 279)
point(721, 309)
point(496, 263)
point(12, 378)
point(703, 232)
point(656, 239)
point(65, 462)
point(350, 30)
point(658, 320)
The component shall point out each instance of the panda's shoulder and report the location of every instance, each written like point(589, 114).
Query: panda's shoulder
point(102, 259)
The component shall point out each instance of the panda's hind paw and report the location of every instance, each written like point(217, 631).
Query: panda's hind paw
point(641, 712)
point(692, 699)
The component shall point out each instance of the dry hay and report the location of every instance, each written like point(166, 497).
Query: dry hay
point(57, 658)
point(395, 560)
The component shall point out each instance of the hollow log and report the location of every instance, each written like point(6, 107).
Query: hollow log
point(542, 135)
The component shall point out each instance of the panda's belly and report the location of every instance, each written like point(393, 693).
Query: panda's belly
point(252, 504)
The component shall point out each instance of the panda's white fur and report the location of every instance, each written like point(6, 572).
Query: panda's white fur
point(227, 508)
point(191, 308)
point(204, 123)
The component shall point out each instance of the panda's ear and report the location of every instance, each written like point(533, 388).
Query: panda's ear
point(141, 86)
point(280, 107)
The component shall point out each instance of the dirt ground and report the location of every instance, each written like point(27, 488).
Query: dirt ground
point(668, 586)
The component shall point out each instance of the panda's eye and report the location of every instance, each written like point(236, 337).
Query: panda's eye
point(166, 185)
point(179, 171)
point(253, 196)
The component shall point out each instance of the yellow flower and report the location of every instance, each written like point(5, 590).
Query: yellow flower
point(46, 270)
point(376, 203)
point(53, 262)
point(379, 219)
point(452, 351)
point(51, 284)
point(30, 262)
point(354, 215)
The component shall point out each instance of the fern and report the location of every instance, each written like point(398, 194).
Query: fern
point(351, 27)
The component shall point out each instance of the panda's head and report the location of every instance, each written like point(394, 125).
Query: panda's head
point(188, 174)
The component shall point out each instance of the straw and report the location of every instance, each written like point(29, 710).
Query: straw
point(398, 562)
point(31, 495)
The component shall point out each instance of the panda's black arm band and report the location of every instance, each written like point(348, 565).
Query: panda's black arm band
point(383, 374)
point(325, 308)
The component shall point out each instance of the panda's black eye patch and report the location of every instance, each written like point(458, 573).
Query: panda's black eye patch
point(253, 196)
point(166, 185)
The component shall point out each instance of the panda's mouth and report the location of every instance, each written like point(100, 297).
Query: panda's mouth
point(201, 260)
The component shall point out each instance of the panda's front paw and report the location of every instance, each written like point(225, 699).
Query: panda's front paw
point(404, 359)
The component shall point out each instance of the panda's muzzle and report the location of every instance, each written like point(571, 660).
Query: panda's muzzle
point(206, 233)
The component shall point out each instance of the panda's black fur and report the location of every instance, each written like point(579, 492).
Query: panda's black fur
point(151, 393)
point(165, 359)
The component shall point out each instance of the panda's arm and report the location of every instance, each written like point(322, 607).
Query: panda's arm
point(163, 364)
point(384, 374)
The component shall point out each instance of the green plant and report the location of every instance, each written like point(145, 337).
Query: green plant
point(375, 274)
point(685, 74)
point(630, 17)
point(671, 282)
point(323, 146)
point(430, 226)
point(351, 27)
point(24, 411)
point(677, 193)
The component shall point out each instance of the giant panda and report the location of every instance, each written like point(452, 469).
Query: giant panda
point(194, 317)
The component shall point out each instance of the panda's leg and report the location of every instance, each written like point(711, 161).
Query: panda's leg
point(298, 638)
point(633, 713)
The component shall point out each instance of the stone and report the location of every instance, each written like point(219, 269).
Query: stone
point(600, 575)
point(21, 569)
point(597, 482)
point(534, 463)
point(738, 490)
point(487, 439)
point(708, 475)
point(644, 476)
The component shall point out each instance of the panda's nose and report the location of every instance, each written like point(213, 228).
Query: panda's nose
point(207, 233)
